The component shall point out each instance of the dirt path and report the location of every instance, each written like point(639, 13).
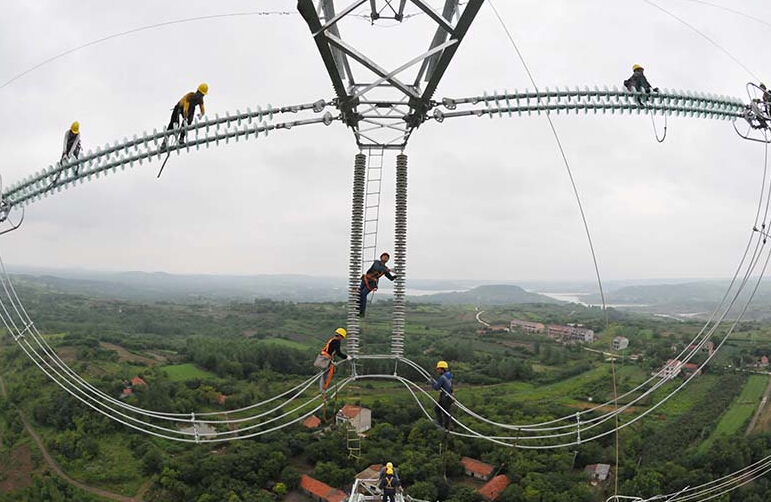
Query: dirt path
point(55, 467)
point(763, 402)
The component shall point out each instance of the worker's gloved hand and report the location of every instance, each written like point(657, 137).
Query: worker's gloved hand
point(655, 89)
point(199, 116)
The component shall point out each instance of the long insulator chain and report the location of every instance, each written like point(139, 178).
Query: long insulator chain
point(354, 267)
point(400, 256)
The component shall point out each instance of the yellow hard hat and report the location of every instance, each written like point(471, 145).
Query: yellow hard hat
point(442, 365)
point(389, 465)
point(341, 332)
point(75, 127)
point(203, 89)
point(389, 470)
point(637, 67)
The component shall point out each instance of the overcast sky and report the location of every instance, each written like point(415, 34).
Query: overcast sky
point(488, 199)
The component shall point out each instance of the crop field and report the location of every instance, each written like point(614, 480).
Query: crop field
point(187, 371)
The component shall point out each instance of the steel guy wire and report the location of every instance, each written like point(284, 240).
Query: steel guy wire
point(733, 11)
point(136, 30)
point(700, 33)
point(564, 158)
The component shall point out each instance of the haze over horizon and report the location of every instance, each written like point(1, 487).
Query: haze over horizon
point(487, 198)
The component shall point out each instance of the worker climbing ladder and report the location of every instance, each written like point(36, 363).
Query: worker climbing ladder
point(369, 251)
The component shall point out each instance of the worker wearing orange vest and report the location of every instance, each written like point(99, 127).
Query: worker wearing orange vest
point(370, 279)
point(326, 357)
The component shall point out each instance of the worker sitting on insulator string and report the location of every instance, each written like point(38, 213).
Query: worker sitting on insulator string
point(184, 111)
point(71, 148)
point(389, 483)
point(370, 279)
point(638, 82)
point(444, 385)
point(325, 359)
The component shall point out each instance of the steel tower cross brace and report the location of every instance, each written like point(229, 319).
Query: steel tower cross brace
point(385, 111)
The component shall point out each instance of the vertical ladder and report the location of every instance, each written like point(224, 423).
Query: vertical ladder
point(372, 206)
point(353, 441)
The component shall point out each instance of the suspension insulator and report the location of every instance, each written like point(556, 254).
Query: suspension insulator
point(400, 256)
point(354, 273)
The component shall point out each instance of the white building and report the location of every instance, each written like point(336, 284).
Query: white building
point(360, 418)
point(620, 343)
point(527, 326)
point(670, 370)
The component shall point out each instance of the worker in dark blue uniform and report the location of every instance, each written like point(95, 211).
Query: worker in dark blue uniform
point(389, 483)
point(444, 385)
point(370, 279)
point(638, 82)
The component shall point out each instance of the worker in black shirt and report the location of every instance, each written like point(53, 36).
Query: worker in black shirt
point(370, 279)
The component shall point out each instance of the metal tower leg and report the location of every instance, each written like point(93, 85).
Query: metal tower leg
point(400, 256)
point(354, 267)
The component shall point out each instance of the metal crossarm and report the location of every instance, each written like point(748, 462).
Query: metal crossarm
point(375, 109)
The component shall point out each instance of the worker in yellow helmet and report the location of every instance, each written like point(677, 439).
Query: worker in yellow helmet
point(324, 361)
point(184, 111)
point(638, 82)
point(389, 482)
point(444, 385)
point(71, 148)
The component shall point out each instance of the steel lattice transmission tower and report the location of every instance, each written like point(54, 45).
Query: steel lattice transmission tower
point(383, 106)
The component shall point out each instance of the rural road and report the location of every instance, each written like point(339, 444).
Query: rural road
point(479, 319)
point(55, 467)
point(759, 410)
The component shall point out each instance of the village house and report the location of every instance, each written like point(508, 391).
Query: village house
point(360, 418)
point(371, 472)
point(476, 468)
point(203, 430)
point(320, 492)
point(312, 422)
point(690, 369)
point(670, 370)
point(708, 347)
point(493, 488)
point(620, 343)
point(597, 473)
point(571, 333)
point(527, 326)
point(128, 389)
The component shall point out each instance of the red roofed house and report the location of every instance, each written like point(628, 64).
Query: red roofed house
point(320, 492)
point(138, 381)
point(494, 487)
point(476, 469)
point(222, 398)
point(371, 472)
point(312, 422)
point(360, 418)
point(690, 368)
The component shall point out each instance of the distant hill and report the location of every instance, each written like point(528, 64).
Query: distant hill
point(497, 294)
point(690, 293)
